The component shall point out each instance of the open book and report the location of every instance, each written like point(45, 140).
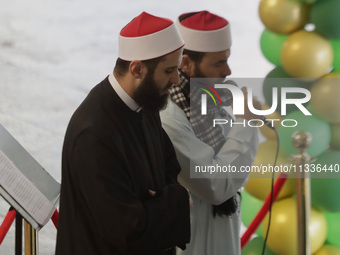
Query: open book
point(24, 183)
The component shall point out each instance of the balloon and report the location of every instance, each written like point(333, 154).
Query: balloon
point(310, 109)
point(325, 191)
point(278, 78)
point(250, 207)
point(282, 238)
point(271, 44)
point(335, 136)
point(336, 50)
point(259, 184)
point(325, 16)
point(325, 97)
point(255, 246)
point(266, 154)
point(265, 130)
point(328, 250)
point(283, 16)
point(306, 55)
point(319, 129)
point(333, 233)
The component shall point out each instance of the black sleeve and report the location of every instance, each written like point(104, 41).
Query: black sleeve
point(172, 165)
point(122, 218)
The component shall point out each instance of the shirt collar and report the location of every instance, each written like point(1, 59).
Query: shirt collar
point(132, 104)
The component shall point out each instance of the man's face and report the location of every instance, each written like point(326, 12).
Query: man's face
point(153, 91)
point(213, 65)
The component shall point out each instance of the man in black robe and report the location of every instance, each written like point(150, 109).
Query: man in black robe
point(119, 191)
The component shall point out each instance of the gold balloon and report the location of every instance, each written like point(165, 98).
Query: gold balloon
point(328, 250)
point(335, 136)
point(284, 16)
point(306, 55)
point(282, 238)
point(265, 130)
point(326, 98)
point(259, 184)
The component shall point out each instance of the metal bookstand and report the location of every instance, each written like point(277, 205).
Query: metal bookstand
point(31, 234)
point(31, 239)
point(36, 188)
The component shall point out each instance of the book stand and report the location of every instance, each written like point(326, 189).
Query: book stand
point(30, 190)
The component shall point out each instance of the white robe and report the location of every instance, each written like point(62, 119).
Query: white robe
point(211, 235)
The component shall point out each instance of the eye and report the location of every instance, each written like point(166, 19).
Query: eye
point(220, 64)
point(169, 70)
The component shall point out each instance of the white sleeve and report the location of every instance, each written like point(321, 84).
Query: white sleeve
point(239, 150)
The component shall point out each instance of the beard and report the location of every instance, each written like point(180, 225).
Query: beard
point(197, 72)
point(150, 96)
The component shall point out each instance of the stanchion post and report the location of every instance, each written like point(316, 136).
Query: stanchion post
point(301, 141)
point(31, 240)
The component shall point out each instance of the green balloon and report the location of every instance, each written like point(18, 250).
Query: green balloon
point(309, 107)
point(278, 78)
point(325, 15)
point(271, 44)
point(319, 129)
point(333, 228)
point(306, 1)
point(325, 191)
point(250, 207)
point(336, 50)
point(255, 246)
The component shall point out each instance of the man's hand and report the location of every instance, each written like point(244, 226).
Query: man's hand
point(152, 193)
point(191, 203)
point(248, 115)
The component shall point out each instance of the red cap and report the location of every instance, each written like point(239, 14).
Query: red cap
point(204, 31)
point(145, 24)
point(204, 21)
point(147, 37)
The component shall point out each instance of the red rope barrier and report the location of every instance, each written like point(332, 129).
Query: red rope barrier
point(54, 218)
point(6, 224)
point(264, 210)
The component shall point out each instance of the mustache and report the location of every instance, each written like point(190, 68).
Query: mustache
point(168, 86)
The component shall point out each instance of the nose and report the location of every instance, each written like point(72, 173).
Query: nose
point(226, 71)
point(175, 78)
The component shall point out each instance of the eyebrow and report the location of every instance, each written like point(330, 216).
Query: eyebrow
point(172, 67)
point(222, 61)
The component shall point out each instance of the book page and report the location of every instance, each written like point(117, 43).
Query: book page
point(23, 191)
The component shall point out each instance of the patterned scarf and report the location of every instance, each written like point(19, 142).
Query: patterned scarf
point(183, 96)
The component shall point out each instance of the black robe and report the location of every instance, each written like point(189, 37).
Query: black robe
point(111, 157)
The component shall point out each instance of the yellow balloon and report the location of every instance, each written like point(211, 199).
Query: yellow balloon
point(282, 238)
point(259, 183)
point(306, 55)
point(335, 136)
point(326, 98)
point(328, 250)
point(265, 130)
point(284, 16)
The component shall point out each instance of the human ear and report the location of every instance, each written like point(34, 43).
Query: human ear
point(187, 65)
point(137, 69)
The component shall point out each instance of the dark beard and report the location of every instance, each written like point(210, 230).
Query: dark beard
point(149, 95)
point(197, 72)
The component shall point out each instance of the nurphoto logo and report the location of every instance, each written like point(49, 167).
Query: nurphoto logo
point(279, 98)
